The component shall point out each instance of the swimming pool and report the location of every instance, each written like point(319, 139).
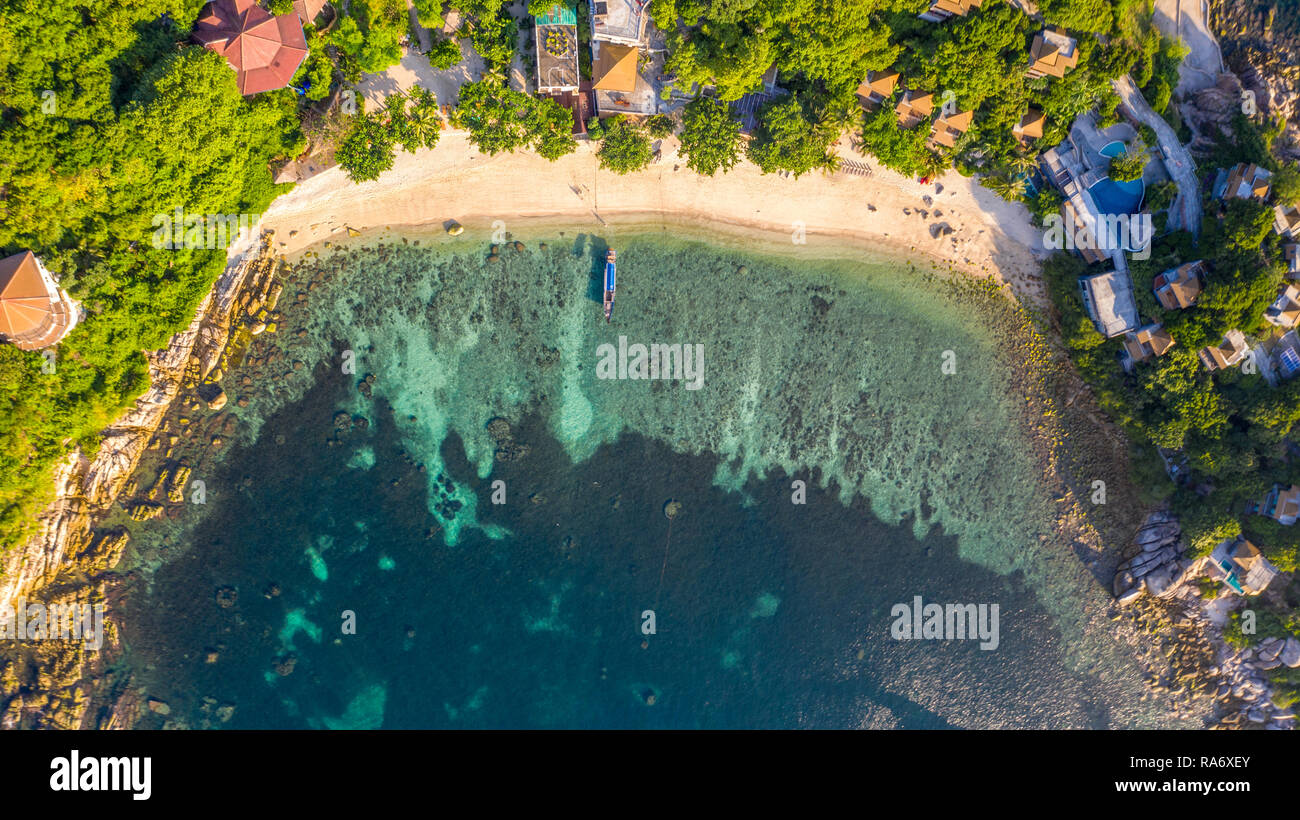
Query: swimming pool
point(1112, 149)
point(1117, 197)
point(1114, 197)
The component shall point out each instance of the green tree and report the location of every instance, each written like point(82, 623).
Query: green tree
point(980, 56)
point(84, 190)
point(626, 146)
point(316, 70)
point(445, 53)
point(367, 150)
point(550, 127)
point(711, 140)
point(418, 126)
point(785, 140)
point(499, 118)
point(902, 150)
point(660, 126)
point(1161, 195)
point(1083, 15)
point(1286, 184)
point(429, 13)
point(728, 57)
point(494, 37)
point(1128, 166)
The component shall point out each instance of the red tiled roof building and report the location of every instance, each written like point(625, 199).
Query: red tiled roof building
point(264, 50)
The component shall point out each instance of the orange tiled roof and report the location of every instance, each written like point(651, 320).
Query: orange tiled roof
point(1052, 53)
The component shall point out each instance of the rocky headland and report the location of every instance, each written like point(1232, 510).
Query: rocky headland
point(1260, 40)
point(73, 556)
point(1189, 661)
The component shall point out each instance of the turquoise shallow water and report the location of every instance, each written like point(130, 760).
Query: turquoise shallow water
point(889, 399)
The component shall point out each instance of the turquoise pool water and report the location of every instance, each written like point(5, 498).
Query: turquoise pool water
point(1117, 197)
point(1112, 196)
point(1112, 149)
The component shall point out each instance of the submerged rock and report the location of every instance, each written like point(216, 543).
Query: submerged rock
point(227, 596)
point(511, 451)
point(499, 429)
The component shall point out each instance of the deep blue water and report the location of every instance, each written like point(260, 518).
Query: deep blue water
point(332, 508)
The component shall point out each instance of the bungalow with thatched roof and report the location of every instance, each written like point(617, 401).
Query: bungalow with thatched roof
point(1030, 126)
point(941, 10)
point(1147, 342)
point(617, 85)
point(1282, 504)
point(878, 87)
point(1179, 288)
point(1286, 221)
point(1052, 53)
point(948, 129)
point(1285, 310)
point(1243, 181)
point(1227, 353)
point(915, 107)
point(1242, 566)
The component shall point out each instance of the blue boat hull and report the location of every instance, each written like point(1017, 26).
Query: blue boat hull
point(609, 290)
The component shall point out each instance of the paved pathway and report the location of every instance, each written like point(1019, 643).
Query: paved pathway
point(423, 33)
point(1185, 212)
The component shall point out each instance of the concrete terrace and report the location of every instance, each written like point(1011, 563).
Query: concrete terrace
point(619, 21)
point(556, 46)
point(1109, 300)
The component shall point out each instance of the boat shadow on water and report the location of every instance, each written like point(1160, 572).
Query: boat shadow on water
point(594, 248)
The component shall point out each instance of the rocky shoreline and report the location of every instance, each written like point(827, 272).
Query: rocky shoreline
point(1191, 663)
point(70, 559)
point(1261, 45)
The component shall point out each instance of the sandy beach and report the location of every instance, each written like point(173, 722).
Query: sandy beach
point(888, 212)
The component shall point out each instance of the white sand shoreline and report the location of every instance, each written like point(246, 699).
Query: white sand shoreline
point(521, 192)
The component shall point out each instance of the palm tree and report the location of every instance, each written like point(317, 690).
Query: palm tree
point(423, 119)
point(395, 105)
point(1005, 187)
point(838, 118)
point(1022, 163)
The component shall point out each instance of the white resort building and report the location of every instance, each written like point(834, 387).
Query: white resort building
point(1108, 298)
point(619, 21)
